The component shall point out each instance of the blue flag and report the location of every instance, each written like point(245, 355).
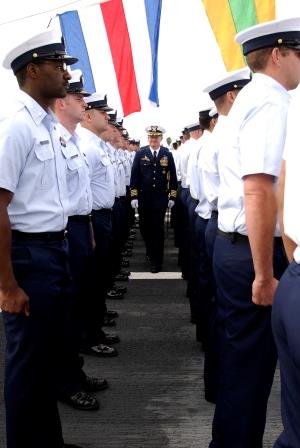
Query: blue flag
point(153, 13)
point(75, 45)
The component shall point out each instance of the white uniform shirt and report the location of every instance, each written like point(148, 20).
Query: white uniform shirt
point(192, 168)
point(101, 170)
point(121, 173)
point(176, 156)
point(209, 167)
point(203, 208)
point(183, 158)
point(291, 214)
point(257, 123)
point(112, 154)
point(33, 168)
point(127, 167)
point(78, 179)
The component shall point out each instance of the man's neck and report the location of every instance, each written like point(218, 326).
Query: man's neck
point(67, 124)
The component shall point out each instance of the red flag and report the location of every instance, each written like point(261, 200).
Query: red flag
point(120, 47)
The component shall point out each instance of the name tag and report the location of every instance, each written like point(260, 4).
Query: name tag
point(44, 142)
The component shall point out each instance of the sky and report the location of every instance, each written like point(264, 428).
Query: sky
point(189, 58)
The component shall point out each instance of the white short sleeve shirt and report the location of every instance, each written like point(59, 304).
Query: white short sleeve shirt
point(33, 168)
point(254, 144)
point(291, 215)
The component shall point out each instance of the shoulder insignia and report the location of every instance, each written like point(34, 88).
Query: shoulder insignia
point(133, 192)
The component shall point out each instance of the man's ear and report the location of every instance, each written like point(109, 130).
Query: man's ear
point(33, 70)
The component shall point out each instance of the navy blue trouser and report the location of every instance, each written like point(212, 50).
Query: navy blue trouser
point(86, 304)
point(35, 344)
point(192, 247)
point(102, 227)
point(201, 298)
point(119, 231)
point(286, 329)
point(247, 350)
point(152, 219)
point(211, 359)
point(182, 231)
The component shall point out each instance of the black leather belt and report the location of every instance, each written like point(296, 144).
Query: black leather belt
point(235, 237)
point(79, 218)
point(44, 236)
point(101, 211)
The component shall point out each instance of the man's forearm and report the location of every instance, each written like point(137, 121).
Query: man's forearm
point(7, 278)
point(260, 208)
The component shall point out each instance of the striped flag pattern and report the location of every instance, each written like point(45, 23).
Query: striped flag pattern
point(111, 31)
point(232, 16)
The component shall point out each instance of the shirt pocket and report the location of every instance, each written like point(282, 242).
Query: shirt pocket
point(75, 163)
point(45, 165)
point(104, 160)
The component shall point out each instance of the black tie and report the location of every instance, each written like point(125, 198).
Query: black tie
point(154, 156)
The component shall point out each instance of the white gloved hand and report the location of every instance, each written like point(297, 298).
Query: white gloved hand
point(171, 203)
point(134, 203)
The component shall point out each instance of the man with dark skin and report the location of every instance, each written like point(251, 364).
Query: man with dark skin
point(34, 273)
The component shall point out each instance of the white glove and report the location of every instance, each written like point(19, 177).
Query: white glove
point(134, 203)
point(171, 203)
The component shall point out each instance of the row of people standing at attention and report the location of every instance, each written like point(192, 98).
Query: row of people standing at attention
point(65, 219)
point(55, 176)
point(238, 171)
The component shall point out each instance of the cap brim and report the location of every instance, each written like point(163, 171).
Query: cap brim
point(69, 60)
point(102, 109)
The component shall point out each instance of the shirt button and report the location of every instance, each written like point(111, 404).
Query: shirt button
point(153, 178)
point(154, 172)
point(155, 164)
point(153, 185)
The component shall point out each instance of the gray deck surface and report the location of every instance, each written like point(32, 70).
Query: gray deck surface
point(155, 398)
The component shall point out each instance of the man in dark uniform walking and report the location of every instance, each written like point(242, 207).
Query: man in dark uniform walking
point(153, 189)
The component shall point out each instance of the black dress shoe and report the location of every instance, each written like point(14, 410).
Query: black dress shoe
point(81, 400)
point(109, 339)
point(113, 294)
point(121, 278)
point(110, 314)
point(92, 384)
point(121, 289)
point(155, 269)
point(108, 322)
point(123, 272)
point(100, 350)
point(71, 445)
point(126, 253)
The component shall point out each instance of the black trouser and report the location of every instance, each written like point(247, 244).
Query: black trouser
point(87, 304)
point(247, 350)
point(286, 330)
point(36, 344)
point(102, 226)
point(151, 220)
